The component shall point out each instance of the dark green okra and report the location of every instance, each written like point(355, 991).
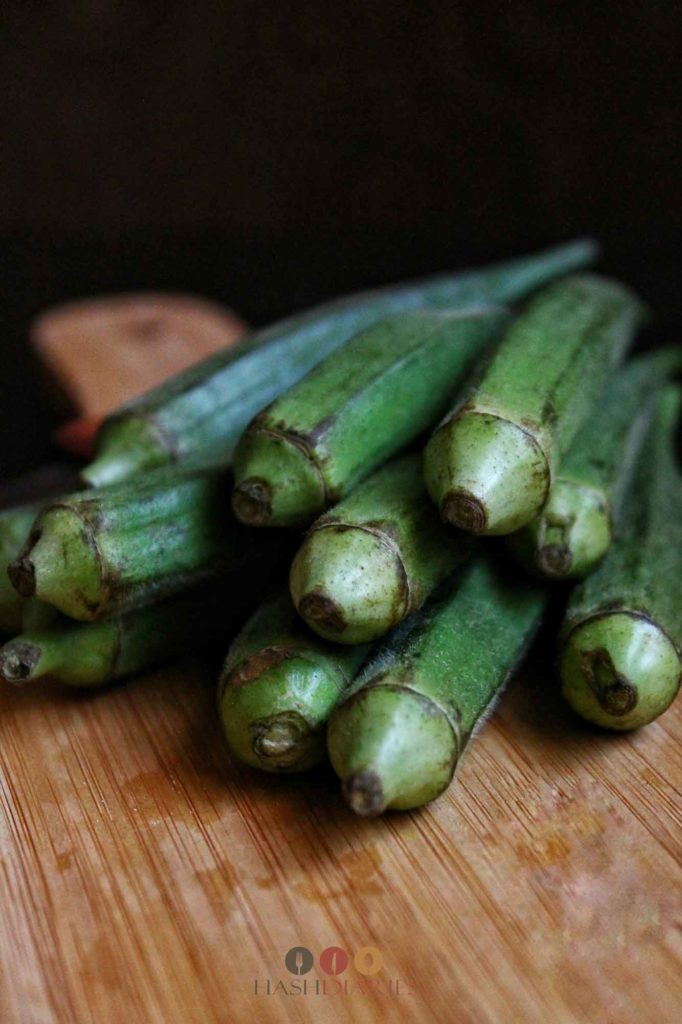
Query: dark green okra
point(15, 524)
point(199, 415)
point(398, 734)
point(278, 687)
point(621, 642)
point(490, 464)
point(375, 557)
point(362, 404)
point(101, 553)
point(92, 654)
point(573, 532)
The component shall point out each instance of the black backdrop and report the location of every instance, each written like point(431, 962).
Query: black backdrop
point(273, 154)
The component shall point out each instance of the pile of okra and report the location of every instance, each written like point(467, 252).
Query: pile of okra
point(367, 506)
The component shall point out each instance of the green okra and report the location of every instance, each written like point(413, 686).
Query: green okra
point(573, 532)
point(100, 553)
point(92, 654)
point(398, 734)
point(15, 524)
point(199, 415)
point(278, 687)
point(375, 557)
point(490, 464)
point(620, 646)
point(363, 403)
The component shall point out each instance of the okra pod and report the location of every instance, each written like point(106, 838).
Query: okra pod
point(92, 654)
point(490, 464)
point(15, 524)
point(375, 557)
point(573, 532)
point(97, 554)
point(199, 415)
point(398, 734)
point(278, 687)
point(363, 403)
point(620, 645)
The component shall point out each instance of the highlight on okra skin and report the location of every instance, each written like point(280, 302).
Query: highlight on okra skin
point(573, 532)
point(621, 643)
point(397, 737)
point(364, 402)
point(197, 416)
point(490, 464)
point(278, 687)
point(375, 557)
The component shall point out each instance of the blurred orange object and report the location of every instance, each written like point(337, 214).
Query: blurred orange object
point(101, 352)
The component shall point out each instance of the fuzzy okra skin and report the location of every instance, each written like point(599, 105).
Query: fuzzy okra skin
point(199, 414)
point(397, 736)
point(620, 647)
point(15, 525)
point(375, 557)
point(93, 654)
point(362, 404)
point(490, 464)
point(102, 553)
point(573, 532)
point(278, 687)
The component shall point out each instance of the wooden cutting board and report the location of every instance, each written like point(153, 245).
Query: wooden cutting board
point(147, 878)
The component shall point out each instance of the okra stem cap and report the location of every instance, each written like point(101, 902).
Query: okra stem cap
point(349, 584)
point(392, 748)
point(486, 474)
point(619, 670)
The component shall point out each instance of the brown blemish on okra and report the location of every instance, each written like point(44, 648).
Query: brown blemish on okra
point(253, 667)
point(464, 511)
point(364, 794)
point(319, 610)
point(252, 501)
point(614, 693)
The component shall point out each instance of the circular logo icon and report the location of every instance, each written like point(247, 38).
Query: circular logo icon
point(298, 960)
point(333, 960)
point(368, 961)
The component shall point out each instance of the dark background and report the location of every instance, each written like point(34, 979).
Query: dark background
point(272, 154)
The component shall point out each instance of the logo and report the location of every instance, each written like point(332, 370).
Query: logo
point(332, 972)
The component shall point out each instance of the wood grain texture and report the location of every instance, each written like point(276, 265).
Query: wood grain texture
point(145, 877)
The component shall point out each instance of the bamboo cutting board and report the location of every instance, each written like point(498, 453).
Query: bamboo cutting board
point(147, 878)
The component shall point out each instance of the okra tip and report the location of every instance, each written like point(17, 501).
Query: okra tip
point(619, 670)
point(486, 474)
point(60, 564)
point(570, 536)
point(269, 711)
point(19, 661)
point(349, 584)
point(126, 445)
point(276, 483)
point(392, 748)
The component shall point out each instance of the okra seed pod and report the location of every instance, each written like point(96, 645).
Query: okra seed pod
point(392, 748)
point(87, 654)
point(502, 473)
point(283, 480)
point(571, 534)
point(278, 687)
point(349, 584)
point(619, 670)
